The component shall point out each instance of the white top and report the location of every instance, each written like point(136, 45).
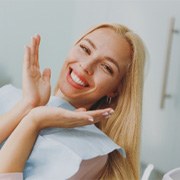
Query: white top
point(58, 152)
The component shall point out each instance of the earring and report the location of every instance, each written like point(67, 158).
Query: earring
point(108, 99)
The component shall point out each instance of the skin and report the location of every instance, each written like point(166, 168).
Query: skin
point(29, 116)
point(36, 90)
point(89, 60)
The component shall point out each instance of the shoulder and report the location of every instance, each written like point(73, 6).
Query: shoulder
point(90, 169)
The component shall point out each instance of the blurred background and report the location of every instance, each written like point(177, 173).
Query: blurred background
point(61, 22)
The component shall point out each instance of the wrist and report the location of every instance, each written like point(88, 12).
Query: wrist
point(37, 117)
point(32, 121)
point(21, 109)
point(44, 117)
point(28, 106)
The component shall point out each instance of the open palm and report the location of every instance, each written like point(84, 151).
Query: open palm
point(36, 85)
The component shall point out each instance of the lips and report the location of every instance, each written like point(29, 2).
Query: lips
point(76, 80)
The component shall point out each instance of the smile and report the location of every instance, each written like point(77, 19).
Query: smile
point(76, 81)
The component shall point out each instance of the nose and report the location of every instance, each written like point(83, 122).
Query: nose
point(87, 66)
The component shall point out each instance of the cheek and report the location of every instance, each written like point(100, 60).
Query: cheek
point(64, 66)
point(76, 55)
point(107, 83)
point(104, 83)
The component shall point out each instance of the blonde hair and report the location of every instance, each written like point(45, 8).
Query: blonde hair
point(125, 125)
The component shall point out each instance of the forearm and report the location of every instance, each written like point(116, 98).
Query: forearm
point(11, 119)
point(18, 146)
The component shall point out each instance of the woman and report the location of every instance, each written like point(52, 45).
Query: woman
point(103, 69)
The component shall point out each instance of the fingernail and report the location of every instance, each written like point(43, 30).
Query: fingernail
point(105, 113)
point(111, 111)
point(91, 119)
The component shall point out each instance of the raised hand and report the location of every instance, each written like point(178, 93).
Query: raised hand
point(36, 85)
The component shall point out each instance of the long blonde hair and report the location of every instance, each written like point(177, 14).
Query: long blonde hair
point(125, 125)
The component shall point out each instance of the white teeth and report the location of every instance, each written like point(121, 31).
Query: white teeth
point(76, 79)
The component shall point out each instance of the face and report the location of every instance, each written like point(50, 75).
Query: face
point(93, 68)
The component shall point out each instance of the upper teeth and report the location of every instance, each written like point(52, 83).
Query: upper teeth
point(76, 79)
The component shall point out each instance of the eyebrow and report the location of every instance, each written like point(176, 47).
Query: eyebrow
point(91, 43)
point(108, 58)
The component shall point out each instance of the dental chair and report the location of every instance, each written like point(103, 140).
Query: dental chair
point(174, 174)
point(147, 172)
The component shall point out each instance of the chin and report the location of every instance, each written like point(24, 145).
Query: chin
point(63, 92)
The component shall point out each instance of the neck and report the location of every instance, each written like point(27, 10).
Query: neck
point(77, 104)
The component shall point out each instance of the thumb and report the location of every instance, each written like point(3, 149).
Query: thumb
point(46, 75)
point(80, 109)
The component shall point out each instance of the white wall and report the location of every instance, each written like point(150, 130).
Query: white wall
point(61, 22)
point(20, 20)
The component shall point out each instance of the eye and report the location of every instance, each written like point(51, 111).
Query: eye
point(107, 68)
point(85, 49)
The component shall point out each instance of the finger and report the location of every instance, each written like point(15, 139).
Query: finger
point(89, 117)
point(107, 111)
point(99, 115)
point(26, 63)
point(84, 120)
point(80, 109)
point(38, 39)
point(32, 48)
point(46, 75)
point(78, 118)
